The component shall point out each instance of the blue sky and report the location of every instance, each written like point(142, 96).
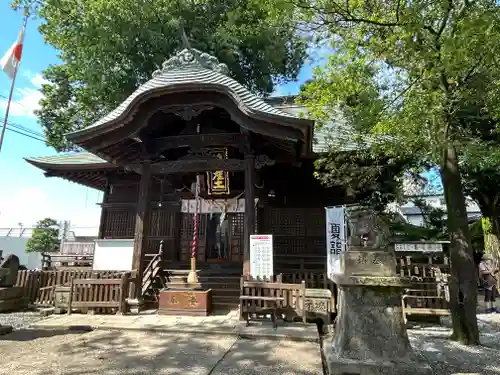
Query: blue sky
point(26, 195)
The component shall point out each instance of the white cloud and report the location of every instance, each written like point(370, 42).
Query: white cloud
point(37, 80)
point(26, 100)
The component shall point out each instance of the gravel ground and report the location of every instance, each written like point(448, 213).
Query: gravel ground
point(19, 319)
point(51, 352)
point(451, 358)
point(58, 352)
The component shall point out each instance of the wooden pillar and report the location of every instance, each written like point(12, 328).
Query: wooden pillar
point(141, 228)
point(249, 222)
point(102, 222)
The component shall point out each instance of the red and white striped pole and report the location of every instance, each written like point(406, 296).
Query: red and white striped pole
point(193, 276)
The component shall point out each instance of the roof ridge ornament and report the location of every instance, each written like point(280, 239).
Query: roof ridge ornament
point(191, 57)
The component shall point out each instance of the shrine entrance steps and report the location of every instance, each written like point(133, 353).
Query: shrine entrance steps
point(224, 282)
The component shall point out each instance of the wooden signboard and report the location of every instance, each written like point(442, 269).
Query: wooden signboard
point(218, 181)
point(422, 247)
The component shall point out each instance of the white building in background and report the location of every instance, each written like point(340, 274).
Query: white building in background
point(14, 240)
point(413, 214)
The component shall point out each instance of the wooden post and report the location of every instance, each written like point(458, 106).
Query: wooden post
point(123, 293)
point(102, 222)
point(70, 297)
point(249, 221)
point(141, 229)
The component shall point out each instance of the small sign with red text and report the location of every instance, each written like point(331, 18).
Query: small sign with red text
point(261, 255)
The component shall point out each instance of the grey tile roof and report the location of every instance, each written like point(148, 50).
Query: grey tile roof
point(191, 66)
point(74, 158)
point(336, 133)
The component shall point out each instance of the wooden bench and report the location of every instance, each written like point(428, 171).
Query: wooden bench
point(257, 297)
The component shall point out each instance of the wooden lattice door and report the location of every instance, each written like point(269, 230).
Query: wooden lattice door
point(186, 236)
point(236, 221)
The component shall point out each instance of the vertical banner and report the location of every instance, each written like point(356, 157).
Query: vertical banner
point(335, 238)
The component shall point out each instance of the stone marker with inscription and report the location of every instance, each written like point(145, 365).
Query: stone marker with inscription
point(318, 304)
point(370, 334)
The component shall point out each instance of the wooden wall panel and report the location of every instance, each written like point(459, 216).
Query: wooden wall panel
point(236, 221)
point(164, 227)
point(123, 193)
point(186, 236)
point(299, 236)
point(119, 223)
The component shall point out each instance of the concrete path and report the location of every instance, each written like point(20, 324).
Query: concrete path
point(228, 324)
point(103, 352)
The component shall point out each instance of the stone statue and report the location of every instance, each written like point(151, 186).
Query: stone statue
point(370, 334)
point(8, 271)
point(366, 229)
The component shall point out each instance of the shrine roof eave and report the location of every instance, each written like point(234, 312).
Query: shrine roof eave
point(82, 168)
point(198, 80)
point(77, 161)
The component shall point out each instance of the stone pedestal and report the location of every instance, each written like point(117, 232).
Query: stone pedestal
point(192, 302)
point(12, 299)
point(61, 299)
point(370, 335)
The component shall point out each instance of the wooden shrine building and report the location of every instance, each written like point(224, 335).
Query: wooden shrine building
point(255, 159)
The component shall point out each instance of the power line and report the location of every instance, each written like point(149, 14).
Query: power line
point(24, 129)
point(26, 135)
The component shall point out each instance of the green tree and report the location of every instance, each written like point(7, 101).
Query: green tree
point(45, 237)
point(401, 74)
point(373, 180)
point(481, 178)
point(109, 48)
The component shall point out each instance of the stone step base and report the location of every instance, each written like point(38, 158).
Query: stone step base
point(8, 293)
point(13, 304)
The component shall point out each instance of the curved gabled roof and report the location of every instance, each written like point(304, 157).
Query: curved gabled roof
point(69, 160)
point(193, 68)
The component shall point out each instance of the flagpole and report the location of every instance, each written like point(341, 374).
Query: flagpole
point(7, 110)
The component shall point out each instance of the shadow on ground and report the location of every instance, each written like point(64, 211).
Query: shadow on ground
point(132, 352)
point(34, 334)
point(448, 357)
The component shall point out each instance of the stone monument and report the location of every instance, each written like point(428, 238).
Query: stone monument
point(11, 296)
point(370, 335)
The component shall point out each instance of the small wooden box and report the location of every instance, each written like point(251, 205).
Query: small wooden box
point(185, 302)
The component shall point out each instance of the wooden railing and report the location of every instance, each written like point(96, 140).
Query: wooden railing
point(39, 286)
point(54, 261)
point(152, 276)
point(429, 293)
point(99, 295)
point(77, 248)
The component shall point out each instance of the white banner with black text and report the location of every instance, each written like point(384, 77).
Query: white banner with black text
point(335, 238)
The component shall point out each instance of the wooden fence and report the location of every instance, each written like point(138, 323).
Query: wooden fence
point(60, 261)
point(102, 295)
point(39, 286)
point(428, 293)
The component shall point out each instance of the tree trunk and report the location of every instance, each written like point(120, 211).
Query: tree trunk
point(463, 287)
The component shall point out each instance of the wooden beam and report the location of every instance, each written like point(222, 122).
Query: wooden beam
point(197, 141)
point(141, 228)
point(190, 166)
point(249, 219)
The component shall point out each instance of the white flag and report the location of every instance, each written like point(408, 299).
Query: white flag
point(11, 60)
point(335, 238)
